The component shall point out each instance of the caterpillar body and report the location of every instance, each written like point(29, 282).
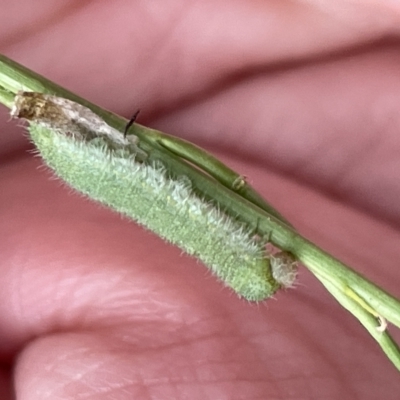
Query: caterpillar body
point(98, 161)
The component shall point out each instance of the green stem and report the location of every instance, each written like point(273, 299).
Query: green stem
point(208, 163)
point(366, 301)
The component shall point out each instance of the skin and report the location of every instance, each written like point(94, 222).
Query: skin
point(302, 98)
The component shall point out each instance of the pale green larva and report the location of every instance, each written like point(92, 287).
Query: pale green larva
point(100, 162)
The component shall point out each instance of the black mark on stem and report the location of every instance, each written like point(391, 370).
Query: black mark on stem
point(131, 122)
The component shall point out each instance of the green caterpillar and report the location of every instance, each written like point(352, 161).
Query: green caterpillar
point(101, 163)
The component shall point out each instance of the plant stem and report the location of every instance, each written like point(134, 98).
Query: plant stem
point(216, 182)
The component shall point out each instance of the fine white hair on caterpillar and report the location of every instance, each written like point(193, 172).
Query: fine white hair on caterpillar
point(98, 161)
point(284, 268)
